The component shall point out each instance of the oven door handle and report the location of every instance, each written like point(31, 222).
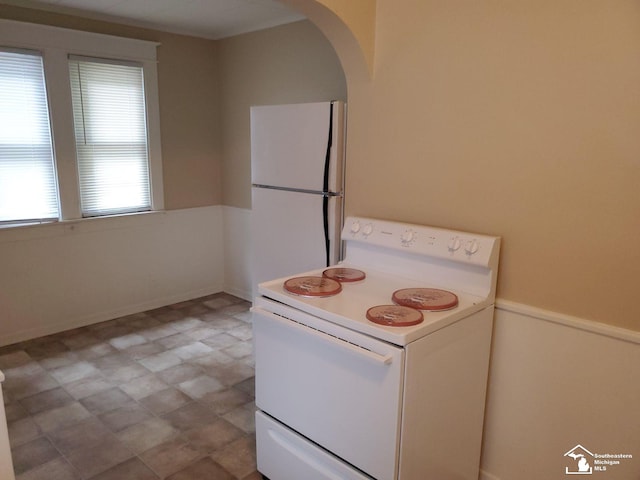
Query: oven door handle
point(337, 341)
point(361, 351)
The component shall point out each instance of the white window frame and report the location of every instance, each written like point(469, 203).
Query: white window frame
point(56, 44)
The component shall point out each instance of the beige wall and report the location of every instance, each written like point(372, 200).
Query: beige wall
point(206, 88)
point(189, 109)
point(292, 63)
point(519, 119)
point(190, 114)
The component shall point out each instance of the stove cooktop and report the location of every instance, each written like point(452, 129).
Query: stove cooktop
point(349, 307)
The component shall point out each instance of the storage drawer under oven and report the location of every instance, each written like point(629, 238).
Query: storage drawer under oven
point(282, 454)
point(337, 387)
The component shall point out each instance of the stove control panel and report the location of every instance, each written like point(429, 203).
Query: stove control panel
point(422, 240)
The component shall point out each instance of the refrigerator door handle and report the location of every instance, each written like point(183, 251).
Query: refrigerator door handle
point(325, 220)
point(298, 190)
point(325, 188)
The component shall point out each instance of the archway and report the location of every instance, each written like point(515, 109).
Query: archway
point(349, 26)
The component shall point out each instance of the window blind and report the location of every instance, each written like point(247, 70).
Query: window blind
point(111, 136)
point(28, 187)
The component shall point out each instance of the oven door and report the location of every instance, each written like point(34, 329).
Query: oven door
point(334, 386)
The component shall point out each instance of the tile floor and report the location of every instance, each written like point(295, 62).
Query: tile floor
point(167, 393)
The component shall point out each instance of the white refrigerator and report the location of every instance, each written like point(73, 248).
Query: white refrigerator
point(297, 175)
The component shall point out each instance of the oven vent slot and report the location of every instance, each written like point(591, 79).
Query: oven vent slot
point(322, 332)
point(383, 357)
point(334, 336)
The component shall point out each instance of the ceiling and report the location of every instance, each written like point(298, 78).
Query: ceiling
point(212, 19)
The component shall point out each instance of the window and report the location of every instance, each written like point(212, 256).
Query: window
point(28, 191)
point(79, 125)
point(111, 136)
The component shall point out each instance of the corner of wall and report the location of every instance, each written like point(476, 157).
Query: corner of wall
point(237, 238)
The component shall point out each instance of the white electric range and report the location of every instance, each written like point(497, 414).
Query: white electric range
point(377, 367)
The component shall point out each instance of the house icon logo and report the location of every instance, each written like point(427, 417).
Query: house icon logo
point(581, 456)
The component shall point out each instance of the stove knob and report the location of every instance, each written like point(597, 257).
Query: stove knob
point(407, 237)
point(471, 247)
point(367, 230)
point(355, 227)
point(454, 244)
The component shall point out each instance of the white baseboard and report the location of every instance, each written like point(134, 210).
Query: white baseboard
point(121, 311)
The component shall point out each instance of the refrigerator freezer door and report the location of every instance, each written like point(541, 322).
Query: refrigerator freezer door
point(289, 145)
point(287, 233)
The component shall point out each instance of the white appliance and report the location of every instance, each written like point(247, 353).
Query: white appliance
point(343, 392)
point(297, 166)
